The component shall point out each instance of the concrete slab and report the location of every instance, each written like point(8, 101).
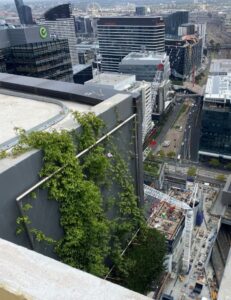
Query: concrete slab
point(30, 275)
point(23, 113)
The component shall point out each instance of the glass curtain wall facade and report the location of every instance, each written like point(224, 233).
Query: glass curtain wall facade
point(2, 62)
point(24, 13)
point(184, 56)
point(61, 25)
point(174, 20)
point(216, 129)
point(119, 36)
point(215, 140)
point(50, 60)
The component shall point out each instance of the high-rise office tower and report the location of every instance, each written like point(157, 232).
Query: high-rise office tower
point(215, 139)
point(119, 36)
point(19, 4)
point(173, 20)
point(30, 51)
point(141, 10)
point(185, 55)
point(24, 13)
point(61, 25)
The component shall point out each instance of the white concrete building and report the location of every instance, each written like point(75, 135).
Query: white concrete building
point(128, 83)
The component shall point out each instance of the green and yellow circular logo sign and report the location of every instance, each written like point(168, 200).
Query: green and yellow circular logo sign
point(43, 32)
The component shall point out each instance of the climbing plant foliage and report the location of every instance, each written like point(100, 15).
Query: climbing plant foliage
point(90, 238)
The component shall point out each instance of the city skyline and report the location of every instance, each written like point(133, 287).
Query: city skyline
point(115, 149)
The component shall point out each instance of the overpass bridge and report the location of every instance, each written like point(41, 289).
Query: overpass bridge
point(194, 90)
point(182, 95)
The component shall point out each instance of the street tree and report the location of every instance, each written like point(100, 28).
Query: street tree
point(214, 162)
point(228, 166)
point(143, 261)
point(161, 154)
point(221, 177)
point(192, 171)
point(171, 154)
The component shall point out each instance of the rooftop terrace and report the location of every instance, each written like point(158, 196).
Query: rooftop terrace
point(23, 113)
point(39, 104)
point(32, 113)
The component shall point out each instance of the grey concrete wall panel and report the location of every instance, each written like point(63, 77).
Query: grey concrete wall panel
point(226, 198)
point(58, 90)
point(32, 35)
point(17, 37)
point(13, 182)
point(27, 35)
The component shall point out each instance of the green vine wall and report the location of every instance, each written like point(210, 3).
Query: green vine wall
point(90, 237)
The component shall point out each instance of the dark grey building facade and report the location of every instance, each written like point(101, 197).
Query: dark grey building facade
point(62, 11)
point(141, 10)
point(24, 13)
point(216, 130)
point(215, 140)
point(82, 73)
point(119, 36)
point(173, 20)
point(185, 56)
point(30, 51)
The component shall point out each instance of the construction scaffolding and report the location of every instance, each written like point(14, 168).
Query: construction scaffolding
point(155, 87)
point(189, 221)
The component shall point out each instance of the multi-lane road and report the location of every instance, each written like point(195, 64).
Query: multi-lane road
point(190, 142)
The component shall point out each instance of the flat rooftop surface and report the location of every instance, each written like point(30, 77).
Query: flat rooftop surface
point(23, 113)
point(141, 57)
point(220, 66)
point(31, 112)
point(218, 86)
point(110, 78)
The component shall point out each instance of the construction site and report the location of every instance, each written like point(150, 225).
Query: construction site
point(166, 218)
point(183, 216)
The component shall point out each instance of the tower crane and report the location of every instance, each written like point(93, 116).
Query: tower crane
point(151, 192)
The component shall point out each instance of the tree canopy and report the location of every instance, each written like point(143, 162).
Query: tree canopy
point(143, 261)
